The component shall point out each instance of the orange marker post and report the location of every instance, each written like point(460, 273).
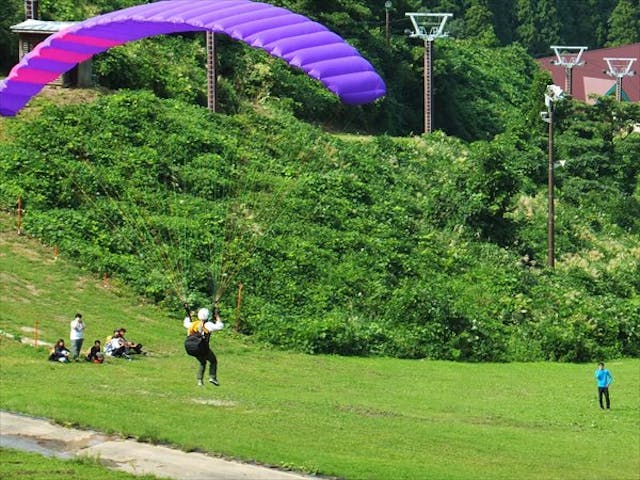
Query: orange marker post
point(19, 214)
point(238, 303)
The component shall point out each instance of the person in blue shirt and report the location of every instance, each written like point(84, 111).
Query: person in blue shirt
point(603, 379)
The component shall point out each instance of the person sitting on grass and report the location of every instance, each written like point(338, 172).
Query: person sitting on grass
point(116, 347)
point(95, 354)
point(132, 347)
point(60, 353)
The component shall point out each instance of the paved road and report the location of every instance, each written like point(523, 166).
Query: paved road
point(42, 436)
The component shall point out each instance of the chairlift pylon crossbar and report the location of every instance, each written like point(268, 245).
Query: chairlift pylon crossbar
point(568, 56)
point(619, 67)
point(428, 26)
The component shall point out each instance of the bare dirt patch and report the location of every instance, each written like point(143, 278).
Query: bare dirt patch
point(214, 402)
point(68, 96)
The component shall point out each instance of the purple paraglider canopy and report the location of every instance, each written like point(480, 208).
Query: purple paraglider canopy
point(302, 43)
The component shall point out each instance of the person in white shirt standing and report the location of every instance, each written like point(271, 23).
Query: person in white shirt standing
point(76, 336)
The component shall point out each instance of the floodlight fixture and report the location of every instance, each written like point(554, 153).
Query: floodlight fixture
point(544, 116)
point(553, 94)
point(428, 27)
point(619, 68)
point(568, 57)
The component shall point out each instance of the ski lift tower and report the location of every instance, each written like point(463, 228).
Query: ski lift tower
point(568, 57)
point(212, 61)
point(428, 27)
point(619, 68)
point(31, 10)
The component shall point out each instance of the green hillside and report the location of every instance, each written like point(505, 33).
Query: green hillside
point(345, 417)
point(418, 247)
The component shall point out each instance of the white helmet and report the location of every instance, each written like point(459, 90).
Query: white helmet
point(204, 314)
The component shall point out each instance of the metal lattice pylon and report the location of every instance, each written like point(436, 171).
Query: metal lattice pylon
point(31, 9)
point(568, 57)
point(428, 27)
point(212, 72)
point(619, 68)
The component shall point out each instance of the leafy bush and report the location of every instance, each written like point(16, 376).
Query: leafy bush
point(411, 247)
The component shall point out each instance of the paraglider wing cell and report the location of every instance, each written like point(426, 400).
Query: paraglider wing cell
point(299, 41)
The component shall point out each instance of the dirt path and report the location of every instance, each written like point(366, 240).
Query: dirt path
point(41, 436)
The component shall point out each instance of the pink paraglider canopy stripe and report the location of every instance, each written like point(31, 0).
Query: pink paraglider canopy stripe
point(302, 43)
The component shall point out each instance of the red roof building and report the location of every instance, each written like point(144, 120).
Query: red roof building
point(591, 79)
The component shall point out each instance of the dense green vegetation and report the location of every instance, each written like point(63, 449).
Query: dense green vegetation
point(411, 247)
point(349, 417)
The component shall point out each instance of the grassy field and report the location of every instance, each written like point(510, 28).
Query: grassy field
point(15, 464)
point(353, 418)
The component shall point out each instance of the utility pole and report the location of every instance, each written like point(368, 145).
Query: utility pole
point(551, 214)
point(19, 212)
point(428, 27)
point(212, 60)
point(237, 327)
point(619, 68)
point(568, 57)
point(387, 7)
point(553, 94)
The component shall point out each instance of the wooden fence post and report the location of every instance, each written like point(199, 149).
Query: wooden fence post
point(238, 325)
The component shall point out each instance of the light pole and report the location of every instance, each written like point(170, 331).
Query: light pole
point(552, 95)
point(428, 27)
point(387, 7)
point(619, 68)
point(568, 57)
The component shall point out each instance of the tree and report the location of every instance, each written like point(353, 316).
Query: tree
point(624, 23)
point(479, 89)
point(478, 24)
point(11, 12)
point(538, 25)
point(581, 21)
point(548, 26)
point(504, 19)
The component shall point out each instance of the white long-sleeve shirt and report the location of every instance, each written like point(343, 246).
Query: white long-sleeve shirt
point(77, 329)
point(209, 326)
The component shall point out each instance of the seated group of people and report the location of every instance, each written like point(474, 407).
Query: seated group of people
point(116, 345)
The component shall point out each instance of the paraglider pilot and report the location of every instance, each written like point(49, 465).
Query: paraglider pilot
point(197, 342)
